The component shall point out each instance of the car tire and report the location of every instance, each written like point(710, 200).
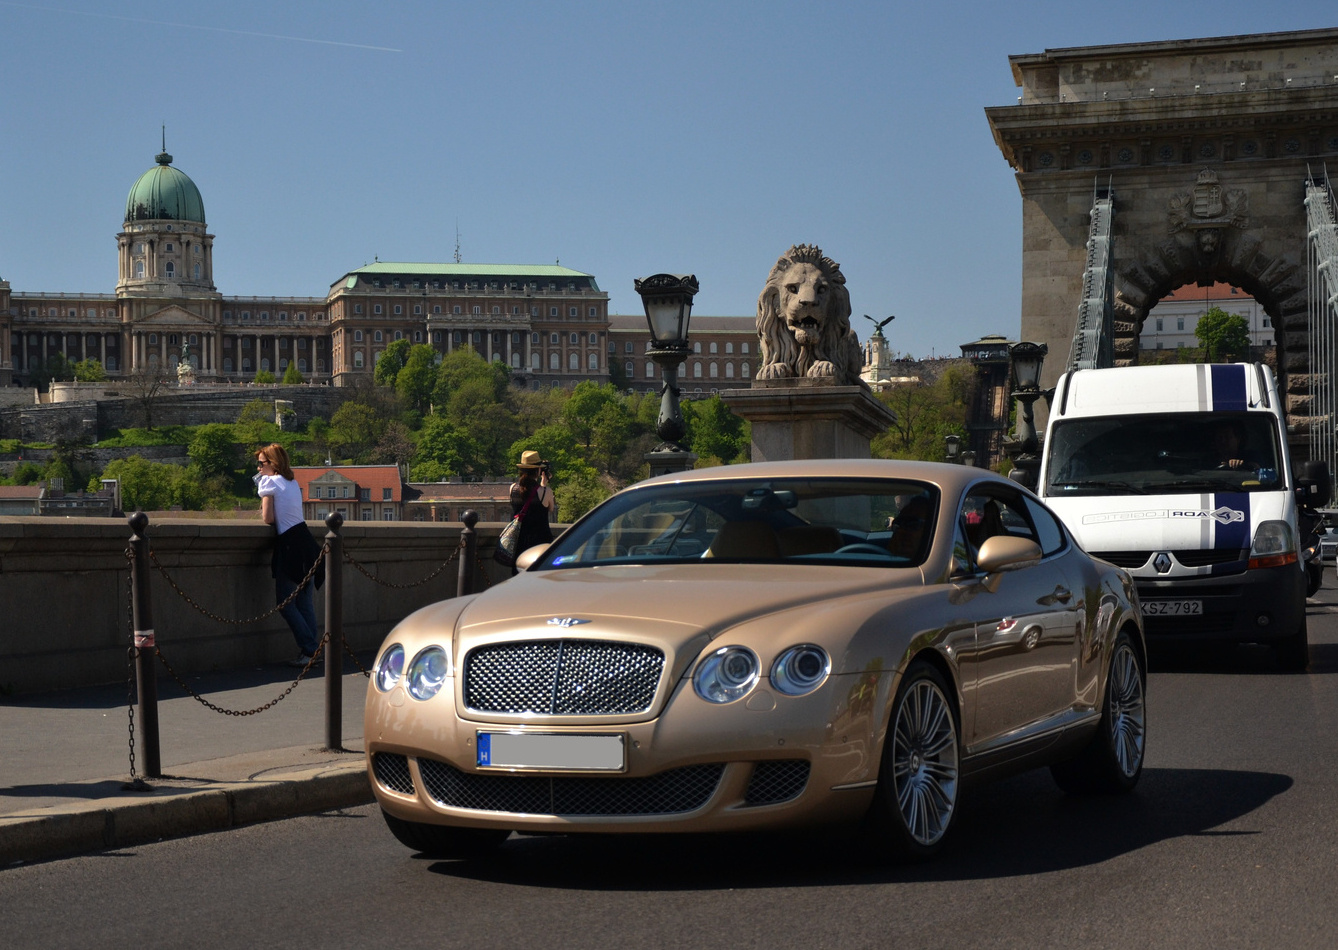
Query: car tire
point(915, 802)
point(1113, 761)
point(440, 841)
point(1293, 652)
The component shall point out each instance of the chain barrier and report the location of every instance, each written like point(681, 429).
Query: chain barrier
point(136, 784)
point(350, 559)
point(354, 657)
point(480, 574)
point(325, 549)
point(325, 638)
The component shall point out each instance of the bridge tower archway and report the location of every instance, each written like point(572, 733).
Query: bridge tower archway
point(1206, 146)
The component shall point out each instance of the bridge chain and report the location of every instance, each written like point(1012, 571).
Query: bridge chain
point(325, 550)
point(244, 712)
point(136, 784)
point(350, 559)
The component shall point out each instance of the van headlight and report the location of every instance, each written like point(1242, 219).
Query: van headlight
point(1273, 546)
point(726, 675)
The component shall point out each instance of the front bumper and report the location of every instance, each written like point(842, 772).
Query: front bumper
point(1254, 606)
point(765, 761)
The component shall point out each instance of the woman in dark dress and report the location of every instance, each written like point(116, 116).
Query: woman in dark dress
point(532, 499)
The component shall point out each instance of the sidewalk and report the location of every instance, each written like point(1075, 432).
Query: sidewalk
point(64, 759)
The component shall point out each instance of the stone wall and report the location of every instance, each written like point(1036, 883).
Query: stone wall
point(64, 586)
point(83, 419)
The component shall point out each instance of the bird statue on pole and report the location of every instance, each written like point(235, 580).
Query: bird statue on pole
point(879, 324)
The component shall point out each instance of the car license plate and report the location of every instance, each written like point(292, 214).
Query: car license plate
point(539, 750)
point(1173, 608)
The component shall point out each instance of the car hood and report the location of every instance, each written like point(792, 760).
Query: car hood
point(670, 605)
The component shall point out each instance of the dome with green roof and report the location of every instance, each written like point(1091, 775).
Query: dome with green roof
point(163, 192)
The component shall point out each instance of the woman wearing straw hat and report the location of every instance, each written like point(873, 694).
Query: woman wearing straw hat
point(532, 499)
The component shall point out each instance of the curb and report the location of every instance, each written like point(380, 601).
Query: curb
point(48, 833)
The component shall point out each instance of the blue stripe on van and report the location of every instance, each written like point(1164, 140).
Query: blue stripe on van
point(1233, 536)
point(1228, 387)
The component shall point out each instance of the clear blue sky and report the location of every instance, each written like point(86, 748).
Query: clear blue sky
point(619, 138)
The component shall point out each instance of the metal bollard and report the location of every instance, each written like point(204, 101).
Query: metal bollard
point(146, 679)
point(469, 545)
point(334, 628)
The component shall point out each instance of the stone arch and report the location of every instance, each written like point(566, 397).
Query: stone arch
point(1206, 146)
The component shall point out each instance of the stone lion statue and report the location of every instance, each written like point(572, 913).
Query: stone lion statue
point(803, 320)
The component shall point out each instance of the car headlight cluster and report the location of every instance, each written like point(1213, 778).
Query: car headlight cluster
point(425, 677)
point(730, 673)
point(800, 669)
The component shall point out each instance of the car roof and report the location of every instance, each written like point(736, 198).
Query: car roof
point(949, 478)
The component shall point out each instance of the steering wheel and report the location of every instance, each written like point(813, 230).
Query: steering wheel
point(862, 547)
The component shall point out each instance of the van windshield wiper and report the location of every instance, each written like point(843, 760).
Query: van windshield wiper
point(1104, 485)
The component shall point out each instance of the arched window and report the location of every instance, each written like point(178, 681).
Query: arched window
point(246, 366)
point(436, 336)
point(729, 370)
point(197, 271)
point(515, 360)
point(377, 336)
point(650, 370)
point(592, 362)
point(713, 347)
point(283, 364)
point(593, 339)
point(139, 268)
point(573, 361)
point(264, 363)
point(170, 270)
point(536, 364)
point(729, 348)
point(357, 359)
point(301, 366)
point(573, 339)
point(629, 370)
point(743, 370)
point(696, 370)
point(743, 348)
point(399, 335)
point(697, 347)
point(227, 364)
point(153, 339)
point(554, 361)
point(553, 338)
point(715, 371)
point(357, 336)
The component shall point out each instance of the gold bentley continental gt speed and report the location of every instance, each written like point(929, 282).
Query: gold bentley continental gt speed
point(764, 646)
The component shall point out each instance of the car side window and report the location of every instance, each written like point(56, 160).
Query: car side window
point(986, 514)
point(1048, 530)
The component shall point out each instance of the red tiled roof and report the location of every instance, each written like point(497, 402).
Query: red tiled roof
point(374, 477)
point(458, 491)
point(1218, 291)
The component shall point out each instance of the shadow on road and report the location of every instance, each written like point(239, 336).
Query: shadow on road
point(1018, 827)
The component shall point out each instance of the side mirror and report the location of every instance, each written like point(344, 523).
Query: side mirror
point(529, 556)
point(1314, 487)
point(1005, 553)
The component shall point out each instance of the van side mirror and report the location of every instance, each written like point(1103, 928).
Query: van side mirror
point(1314, 487)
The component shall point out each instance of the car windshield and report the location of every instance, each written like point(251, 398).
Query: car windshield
point(883, 522)
point(1168, 453)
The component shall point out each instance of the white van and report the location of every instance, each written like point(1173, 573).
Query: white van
point(1180, 475)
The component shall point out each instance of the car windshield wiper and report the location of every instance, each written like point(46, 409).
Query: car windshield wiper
point(1105, 485)
point(1202, 484)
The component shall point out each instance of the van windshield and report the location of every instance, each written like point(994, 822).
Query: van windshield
point(1163, 454)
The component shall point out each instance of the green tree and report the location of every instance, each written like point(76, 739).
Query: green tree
point(355, 428)
point(213, 451)
point(418, 377)
point(153, 486)
point(55, 369)
point(926, 412)
point(264, 378)
point(582, 410)
point(255, 423)
point(1222, 334)
point(390, 362)
point(714, 431)
point(292, 376)
point(89, 371)
point(443, 450)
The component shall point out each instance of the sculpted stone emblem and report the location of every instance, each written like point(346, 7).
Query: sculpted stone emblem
point(1208, 210)
point(803, 321)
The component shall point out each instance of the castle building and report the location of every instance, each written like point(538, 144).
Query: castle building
point(724, 354)
point(549, 323)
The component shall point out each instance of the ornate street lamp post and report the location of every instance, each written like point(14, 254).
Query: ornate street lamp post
point(952, 447)
point(1026, 360)
point(668, 302)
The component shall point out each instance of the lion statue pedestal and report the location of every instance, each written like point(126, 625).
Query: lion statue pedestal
point(807, 400)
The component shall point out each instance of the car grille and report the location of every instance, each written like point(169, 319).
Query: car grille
point(774, 782)
point(1191, 557)
point(672, 792)
point(392, 771)
point(563, 677)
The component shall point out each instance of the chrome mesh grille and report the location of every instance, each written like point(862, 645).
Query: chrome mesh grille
point(562, 677)
point(672, 792)
point(774, 782)
point(392, 771)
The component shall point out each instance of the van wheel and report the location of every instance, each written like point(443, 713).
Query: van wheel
point(1113, 760)
point(1293, 652)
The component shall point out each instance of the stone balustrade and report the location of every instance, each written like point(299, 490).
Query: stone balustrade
point(64, 586)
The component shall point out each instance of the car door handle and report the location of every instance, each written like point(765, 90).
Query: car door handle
point(1061, 595)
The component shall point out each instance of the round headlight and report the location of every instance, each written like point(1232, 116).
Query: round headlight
point(726, 675)
point(427, 673)
point(390, 668)
point(800, 669)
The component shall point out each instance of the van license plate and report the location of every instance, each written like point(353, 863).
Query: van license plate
point(529, 750)
point(1172, 608)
